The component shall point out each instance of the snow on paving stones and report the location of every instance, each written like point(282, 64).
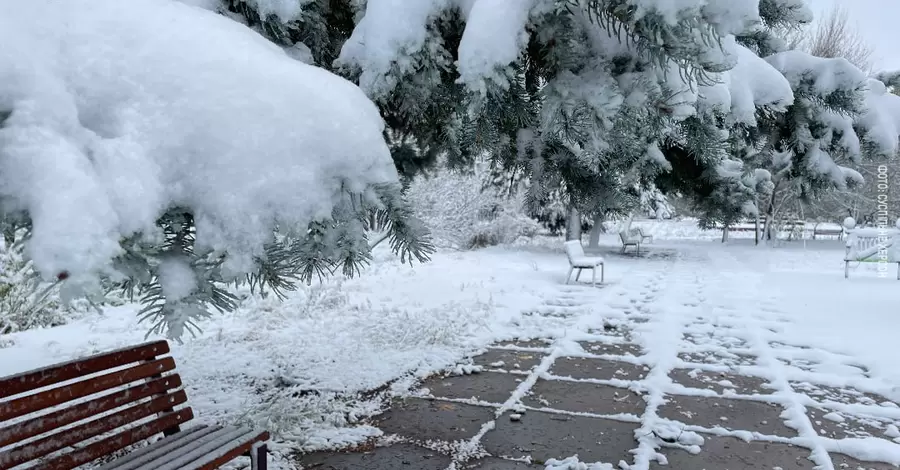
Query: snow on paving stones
point(691, 355)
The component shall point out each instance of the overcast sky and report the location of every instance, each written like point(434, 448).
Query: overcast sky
point(879, 23)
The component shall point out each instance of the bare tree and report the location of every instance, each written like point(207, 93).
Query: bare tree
point(834, 36)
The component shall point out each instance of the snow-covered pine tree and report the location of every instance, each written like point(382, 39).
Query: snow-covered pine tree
point(838, 118)
point(803, 130)
point(595, 92)
point(588, 98)
point(179, 162)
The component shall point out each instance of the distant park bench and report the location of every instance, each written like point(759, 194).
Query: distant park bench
point(828, 229)
point(792, 227)
point(631, 238)
point(66, 415)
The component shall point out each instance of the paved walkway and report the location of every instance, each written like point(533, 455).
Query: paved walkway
point(677, 374)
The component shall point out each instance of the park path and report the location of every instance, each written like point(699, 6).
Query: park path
point(683, 366)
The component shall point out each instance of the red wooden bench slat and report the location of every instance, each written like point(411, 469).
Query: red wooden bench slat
point(48, 422)
point(68, 437)
point(37, 378)
point(49, 398)
point(118, 442)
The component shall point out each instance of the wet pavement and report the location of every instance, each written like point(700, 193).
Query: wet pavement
point(512, 416)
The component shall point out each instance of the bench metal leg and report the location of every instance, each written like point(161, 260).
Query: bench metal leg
point(593, 276)
point(578, 276)
point(603, 272)
point(846, 270)
point(569, 276)
point(259, 457)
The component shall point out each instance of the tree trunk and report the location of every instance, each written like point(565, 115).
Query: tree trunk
point(770, 212)
point(596, 230)
point(573, 225)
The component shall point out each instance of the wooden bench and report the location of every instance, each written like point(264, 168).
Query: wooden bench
point(828, 230)
point(578, 260)
point(78, 412)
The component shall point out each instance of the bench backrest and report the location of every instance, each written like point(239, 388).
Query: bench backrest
point(629, 237)
point(574, 250)
point(867, 243)
point(112, 400)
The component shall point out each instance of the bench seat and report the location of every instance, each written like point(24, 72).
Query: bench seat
point(195, 448)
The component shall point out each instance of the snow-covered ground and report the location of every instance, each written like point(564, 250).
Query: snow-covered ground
point(305, 368)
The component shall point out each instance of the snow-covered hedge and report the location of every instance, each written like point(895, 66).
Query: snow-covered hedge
point(26, 301)
point(463, 214)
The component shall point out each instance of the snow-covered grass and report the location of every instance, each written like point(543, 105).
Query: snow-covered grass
point(311, 368)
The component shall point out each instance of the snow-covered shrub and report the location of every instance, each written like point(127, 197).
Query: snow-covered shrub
point(25, 300)
point(462, 213)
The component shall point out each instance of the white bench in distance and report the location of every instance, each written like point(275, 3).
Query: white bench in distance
point(578, 260)
point(640, 232)
point(631, 239)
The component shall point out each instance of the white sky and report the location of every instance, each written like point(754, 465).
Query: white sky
point(877, 20)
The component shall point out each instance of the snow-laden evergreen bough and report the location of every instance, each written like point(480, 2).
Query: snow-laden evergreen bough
point(590, 98)
point(177, 150)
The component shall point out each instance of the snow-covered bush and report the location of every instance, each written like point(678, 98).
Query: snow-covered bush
point(463, 213)
point(26, 301)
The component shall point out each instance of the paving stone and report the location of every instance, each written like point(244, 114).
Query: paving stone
point(616, 331)
point(838, 425)
point(728, 413)
point(424, 419)
point(508, 359)
point(494, 463)
point(724, 358)
point(720, 381)
point(395, 457)
point(843, 462)
point(584, 397)
point(847, 395)
point(717, 340)
point(802, 364)
point(601, 369)
point(778, 347)
point(537, 343)
point(728, 453)
point(544, 436)
point(613, 349)
point(491, 387)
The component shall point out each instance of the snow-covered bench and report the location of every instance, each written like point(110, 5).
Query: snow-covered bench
point(828, 229)
point(578, 260)
point(631, 238)
point(873, 245)
point(639, 232)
